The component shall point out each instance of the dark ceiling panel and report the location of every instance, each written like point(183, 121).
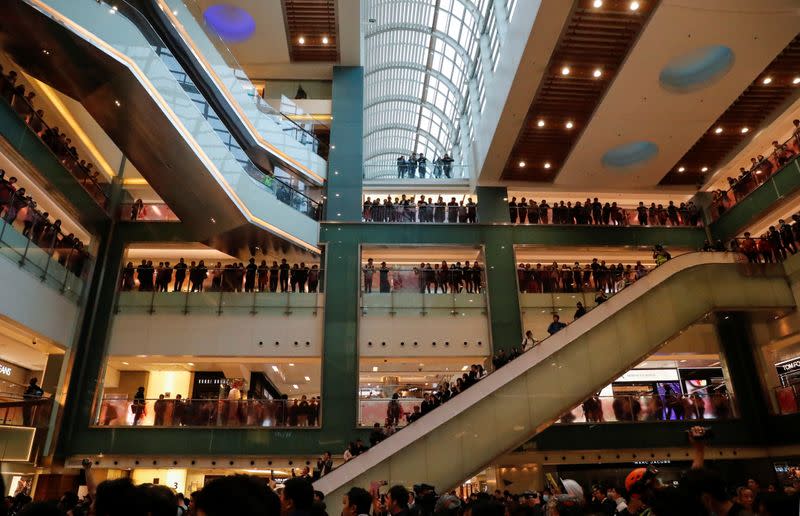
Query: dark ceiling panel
point(311, 20)
point(595, 38)
point(750, 110)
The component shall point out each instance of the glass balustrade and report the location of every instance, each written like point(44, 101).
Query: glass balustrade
point(119, 411)
point(432, 172)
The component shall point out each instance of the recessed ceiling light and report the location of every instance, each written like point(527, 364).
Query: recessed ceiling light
point(190, 363)
point(598, 4)
point(540, 123)
point(704, 169)
point(116, 102)
point(291, 364)
point(718, 130)
point(294, 386)
point(521, 164)
point(565, 70)
point(681, 169)
point(45, 52)
point(125, 363)
point(275, 368)
point(301, 40)
point(308, 379)
point(597, 72)
point(569, 124)
point(634, 6)
point(325, 40)
point(766, 80)
point(374, 369)
point(796, 80)
point(547, 164)
point(744, 130)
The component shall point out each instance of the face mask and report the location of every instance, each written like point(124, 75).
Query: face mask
point(546, 498)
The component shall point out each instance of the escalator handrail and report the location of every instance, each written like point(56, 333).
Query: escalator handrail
point(516, 368)
point(143, 25)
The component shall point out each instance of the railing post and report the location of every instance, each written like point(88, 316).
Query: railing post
point(66, 269)
point(152, 309)
point(49, 253)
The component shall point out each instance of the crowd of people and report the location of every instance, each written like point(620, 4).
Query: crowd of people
point(701, 491)
point(757, 171)
point(409, 209)
point(232, 277)
point(779, 242)
point(425, 278)
point(58, 142)
point(595, 212)
point(397, 415)
point(19, 209)
point(416, 166)
point(235, 409)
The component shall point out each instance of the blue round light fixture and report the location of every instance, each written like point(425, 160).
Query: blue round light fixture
point(697, 69)
point(231, 23)
point(629, 154)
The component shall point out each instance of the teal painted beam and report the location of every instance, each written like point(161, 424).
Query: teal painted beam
point(492, 204)
point(771, 194)
point(501, 284)
point(61, 182)
point(346, 158)
point(477, 234)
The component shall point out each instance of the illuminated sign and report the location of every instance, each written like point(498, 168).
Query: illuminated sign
point(5, 370)
point(650, 375)
point(788, 366)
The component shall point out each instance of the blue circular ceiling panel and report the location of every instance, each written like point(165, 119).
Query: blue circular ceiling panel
point(697, 69)
point(630, 154)
point(231, 23)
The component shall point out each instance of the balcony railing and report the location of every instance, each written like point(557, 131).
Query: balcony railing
point(532, 212)
point(16, 410)
point(635, 409)
point(751, 179)
point(432, 172)
point(51, 137)
point(433, 280)
point(45, 252)
point(204, 413)
point(402, 210)
point(147, 212)
point(598, 409)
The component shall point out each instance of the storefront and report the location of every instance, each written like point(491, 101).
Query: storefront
point(788, 393)
point(13, 380)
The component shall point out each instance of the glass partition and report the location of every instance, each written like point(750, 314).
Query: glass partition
point(407, 209)
point(147, 212)
point(437, 170)
point(598, 213)
point(760, 170)
point(38, 246)
point(301, 412)
point(16, 410)
point(635, 409)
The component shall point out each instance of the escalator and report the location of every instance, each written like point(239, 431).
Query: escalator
point(127, 79)
point(513, 404)
point(265, 132)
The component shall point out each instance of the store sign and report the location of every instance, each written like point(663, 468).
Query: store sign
point(650, 375)
point(5, 370)
point(788, 366)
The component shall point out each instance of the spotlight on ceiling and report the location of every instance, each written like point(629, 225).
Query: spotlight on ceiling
point(325, 40)
point(681, 169)
point(766, 80)
point(718, 130)
point(521, 164)
point(796, 80)
point(547, 164)
point(598, 4)
point(540, 123)
point(745, 130)
point(634, 6)
point(704, 169)
point(597, 73)
point(565, 70)
point(301, 40)
point(570, 125)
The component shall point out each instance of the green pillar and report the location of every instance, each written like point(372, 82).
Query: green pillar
point(346, 157)
point(737, 346)
point(501, 284)
point(340, 350)
point(492, 204)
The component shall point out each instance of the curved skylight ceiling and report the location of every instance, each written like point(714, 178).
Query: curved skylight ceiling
point(423, 63)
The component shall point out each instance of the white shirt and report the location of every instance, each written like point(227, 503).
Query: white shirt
point(528, 343)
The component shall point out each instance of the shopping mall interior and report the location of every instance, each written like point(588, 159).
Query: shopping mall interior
point(521, 248)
